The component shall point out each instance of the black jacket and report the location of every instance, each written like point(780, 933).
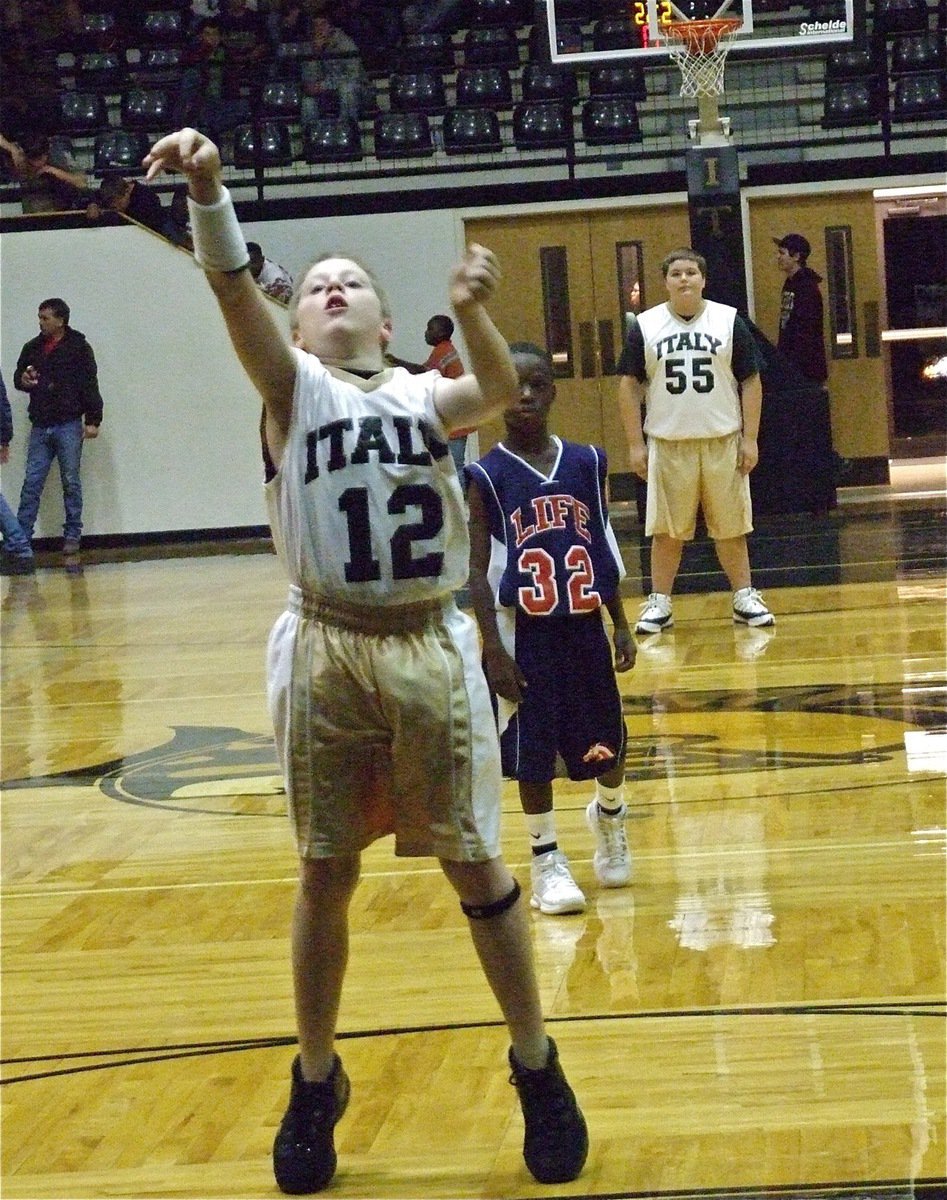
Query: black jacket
point(68, 381)
point(800, 324)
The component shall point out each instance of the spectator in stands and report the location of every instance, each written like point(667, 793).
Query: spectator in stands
point(444, 358)
point(270, 278)
point(119, 197)
point(289, 22)
point(209, 96)
point(437, 16)
point(333, 75)
point(48, 177)
point(177, 222)
point(243, 36)
point(374, 28)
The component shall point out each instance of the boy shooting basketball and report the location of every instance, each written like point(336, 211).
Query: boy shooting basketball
point(382, 717)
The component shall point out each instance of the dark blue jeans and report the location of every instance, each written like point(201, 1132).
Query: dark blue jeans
point(15, 541)
point(62, 442)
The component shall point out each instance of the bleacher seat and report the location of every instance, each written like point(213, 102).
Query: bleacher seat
point(920, 96)
point(403, 135)
point(542, 126)
point(618, 79)
point(900, 16)
point(494, 46)
point(160, 64)
point(417, 91)
point(855, 62)
point(434, 51)
point(918, 52)
point(101, 71)
point(610, 120)
point(329, 140)
point(98, 31)
point(549, 83)
point(147, 109)
point(510, 13)
point(262, 144)
point(82, 113)
point(472, 131)
point(163, 27)
point(281, 99)
point(119, 150)
point(852, 102)
point(615, 33)
point(489, 87)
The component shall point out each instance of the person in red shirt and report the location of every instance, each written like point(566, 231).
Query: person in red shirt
point(444, 358)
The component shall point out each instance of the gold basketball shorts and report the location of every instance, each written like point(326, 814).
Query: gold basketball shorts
point(697, 473)
point(384, 725)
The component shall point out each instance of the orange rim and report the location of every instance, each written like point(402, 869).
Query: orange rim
point(701, 37)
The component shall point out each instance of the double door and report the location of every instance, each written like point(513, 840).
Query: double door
point(569, 282)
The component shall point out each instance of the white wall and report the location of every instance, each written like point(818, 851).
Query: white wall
point(179, 448)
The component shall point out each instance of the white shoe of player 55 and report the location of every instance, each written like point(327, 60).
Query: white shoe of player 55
point(655, 615)
point(612, 859)
point(749, 609)
point(554, 889)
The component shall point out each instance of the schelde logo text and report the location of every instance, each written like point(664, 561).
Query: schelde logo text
point(810, 27)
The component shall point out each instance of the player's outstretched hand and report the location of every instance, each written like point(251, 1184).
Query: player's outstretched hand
point(189, 153)
point(474, 280)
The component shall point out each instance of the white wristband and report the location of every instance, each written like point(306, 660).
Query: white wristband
point(218, 241)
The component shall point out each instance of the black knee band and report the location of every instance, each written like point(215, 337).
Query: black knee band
point(483, 912)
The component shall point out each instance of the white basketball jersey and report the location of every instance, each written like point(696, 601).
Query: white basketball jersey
point(366, 507)
point(692, 392)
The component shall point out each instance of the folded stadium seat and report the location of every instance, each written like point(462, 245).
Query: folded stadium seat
point(417, 91)
point(509, 13)
point(403, 135)
point(119, 150)
point(146, 109)
point(541, 82)
point(920, 96)
point(618, 79)
point(160, 65)
point(542, 126)
point(163, 27)
point(856, 62)
point(900, 16)
point(495, 46)
point(101, 71)
point(281, 99)
point(615, 33)
point(610, 120)
point(913, 52)
point(472, 131)
point(262, 144)
point(82, 113)
point(489, 87)
point(434, 51)
point(330, 140)
point(852, 102)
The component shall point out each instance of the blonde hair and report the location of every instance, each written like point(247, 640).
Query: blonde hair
point(379, 291)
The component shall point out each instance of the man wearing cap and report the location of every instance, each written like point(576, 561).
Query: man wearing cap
point(801, 311)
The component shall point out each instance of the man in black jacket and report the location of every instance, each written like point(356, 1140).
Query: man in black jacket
point(58, 371)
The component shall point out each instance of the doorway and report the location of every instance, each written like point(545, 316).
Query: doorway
point(912, 245)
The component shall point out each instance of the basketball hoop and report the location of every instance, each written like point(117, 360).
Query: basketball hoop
point(700, 49)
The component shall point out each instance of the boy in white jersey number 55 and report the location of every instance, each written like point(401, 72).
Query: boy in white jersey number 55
point(693, 364)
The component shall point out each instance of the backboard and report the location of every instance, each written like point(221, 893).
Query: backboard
point(599, 31)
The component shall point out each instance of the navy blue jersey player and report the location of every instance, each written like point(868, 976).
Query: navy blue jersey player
point(544, 562)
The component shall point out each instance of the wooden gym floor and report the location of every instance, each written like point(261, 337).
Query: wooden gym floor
point(761, 1014)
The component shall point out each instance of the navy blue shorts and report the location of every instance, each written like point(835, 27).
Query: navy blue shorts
point(572, 699)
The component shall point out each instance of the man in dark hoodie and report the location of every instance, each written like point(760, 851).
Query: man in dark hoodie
point(58, 371)
point(801, 310)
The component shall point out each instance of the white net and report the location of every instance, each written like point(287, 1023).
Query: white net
point(700, 50)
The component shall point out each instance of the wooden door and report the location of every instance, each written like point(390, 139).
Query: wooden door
point(566, 286)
